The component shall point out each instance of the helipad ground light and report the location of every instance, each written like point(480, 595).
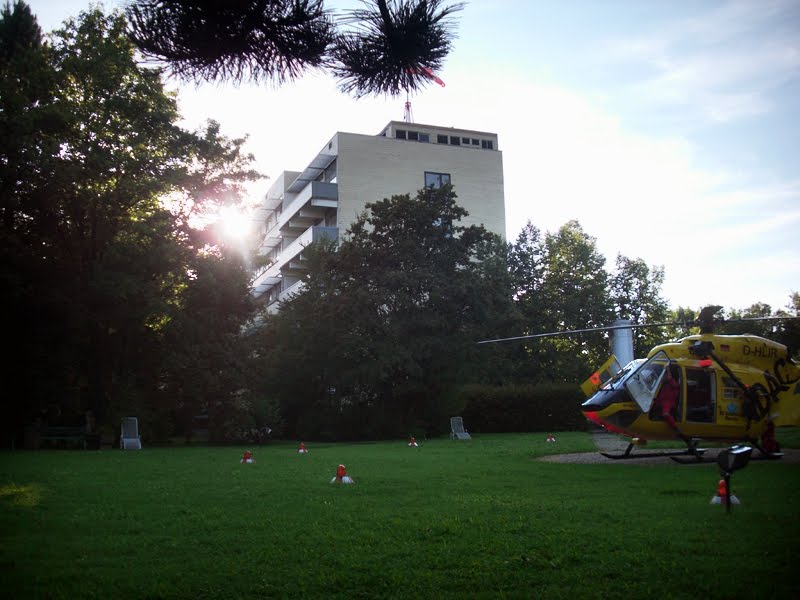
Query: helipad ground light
point(730, 460)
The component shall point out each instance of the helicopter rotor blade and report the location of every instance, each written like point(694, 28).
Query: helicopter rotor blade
point(572, 331)
point(693, 323)
point(745, 319)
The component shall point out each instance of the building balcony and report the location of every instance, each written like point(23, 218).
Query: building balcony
point(292, 290)
point(307, 208)
point(290, 259)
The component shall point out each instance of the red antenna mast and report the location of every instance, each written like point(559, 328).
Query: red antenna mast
point(408, 116)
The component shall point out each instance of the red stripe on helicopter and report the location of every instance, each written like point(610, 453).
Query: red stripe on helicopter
point(592, 416)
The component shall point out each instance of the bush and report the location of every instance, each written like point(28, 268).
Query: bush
point(521, 408)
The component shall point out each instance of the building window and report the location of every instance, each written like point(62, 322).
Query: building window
point(424, 137)
point(445, 226)
point(455, 140)
point(400, 134)
point(436, 180)
point(487, 144)
point(441, 139)
point(476, 142)
point(465, 140)
point(413, 135)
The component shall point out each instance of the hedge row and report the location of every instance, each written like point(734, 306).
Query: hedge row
point(521, 408)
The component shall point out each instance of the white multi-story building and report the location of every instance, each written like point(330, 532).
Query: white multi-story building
point(352, 170)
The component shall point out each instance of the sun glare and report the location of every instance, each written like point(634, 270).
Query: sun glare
point(234, 223)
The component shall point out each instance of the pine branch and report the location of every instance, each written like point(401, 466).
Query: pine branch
point(387, 47)
point(259, 40)
point(393, 46)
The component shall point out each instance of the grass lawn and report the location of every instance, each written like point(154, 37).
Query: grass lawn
point(476, 519)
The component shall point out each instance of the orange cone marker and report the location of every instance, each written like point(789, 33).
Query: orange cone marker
point(247, 458)
point(342, 476)
point(550, 437)
point(719, 498)
point(302, 449)
point(412, 442)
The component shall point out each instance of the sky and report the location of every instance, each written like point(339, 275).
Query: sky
point(668, 129)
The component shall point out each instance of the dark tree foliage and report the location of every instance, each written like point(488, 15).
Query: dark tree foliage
point(761, 320)
point(387, 325)
point(527, 260)
point(576, 293)
point(20, 31)
point(388, 47)
point(635, 291)
point(236, 39)
point(97, 268)
point(395, 48)
point(789, 331)
point(560, 283)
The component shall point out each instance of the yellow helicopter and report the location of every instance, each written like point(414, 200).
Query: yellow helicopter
point(723, 388)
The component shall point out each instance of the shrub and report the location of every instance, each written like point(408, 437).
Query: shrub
point(509, 408)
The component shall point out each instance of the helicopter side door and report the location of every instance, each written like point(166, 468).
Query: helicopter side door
point(644, 383)
point(701, 394)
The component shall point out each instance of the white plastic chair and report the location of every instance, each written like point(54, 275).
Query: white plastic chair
point(129, 436)
point(457, 430)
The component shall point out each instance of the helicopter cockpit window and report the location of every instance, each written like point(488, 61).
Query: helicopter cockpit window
point(621, 374)
point(643, 384)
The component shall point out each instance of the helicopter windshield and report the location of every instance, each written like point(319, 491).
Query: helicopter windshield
point(643, 384)
point(621, 374)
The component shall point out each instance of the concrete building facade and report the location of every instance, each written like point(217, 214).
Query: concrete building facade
point(352, 170)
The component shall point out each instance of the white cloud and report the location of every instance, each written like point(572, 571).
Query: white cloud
point(724, 64)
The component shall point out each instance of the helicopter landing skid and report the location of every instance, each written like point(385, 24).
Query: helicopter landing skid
point(762, 456)
point(697, 453)
point(697, 457)
point(768, 456)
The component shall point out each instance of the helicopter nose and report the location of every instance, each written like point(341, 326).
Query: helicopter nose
point(600, 400)
point(612, 409)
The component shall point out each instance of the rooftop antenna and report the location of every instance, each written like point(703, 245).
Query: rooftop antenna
point(408, 116)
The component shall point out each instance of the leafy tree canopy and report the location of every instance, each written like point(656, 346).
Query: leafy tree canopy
point(387, 324)
point(99, 186)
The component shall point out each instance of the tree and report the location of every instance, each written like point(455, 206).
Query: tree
point(388, 47)
point(759, 319)
point(759, 310)
point(527, 264)
point(576, 294)
point(26, 82)
point(205, 360)
point(98, 261)
point(789, 331)
point(636, 295)
point(387, 325)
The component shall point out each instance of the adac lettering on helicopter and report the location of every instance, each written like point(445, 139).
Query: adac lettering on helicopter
point(785, 372)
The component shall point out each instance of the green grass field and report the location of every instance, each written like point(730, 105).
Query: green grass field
point(477, 519)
